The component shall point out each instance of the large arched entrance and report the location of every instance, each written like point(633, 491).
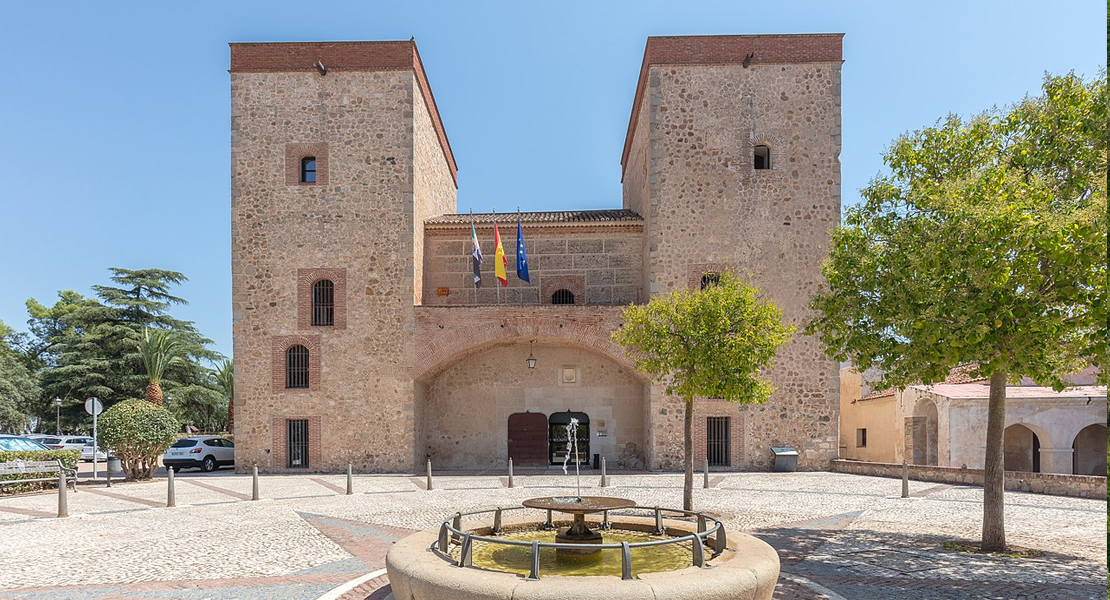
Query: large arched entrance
point(561, 449)
point(1022, 449)
point(1089, 451)
point(923, 432)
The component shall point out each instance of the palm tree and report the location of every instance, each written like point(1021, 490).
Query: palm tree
point(159, 351)
point(225, 382)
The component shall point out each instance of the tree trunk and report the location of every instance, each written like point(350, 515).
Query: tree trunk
point(994, 484)
point(154, 393)
point(688, 448)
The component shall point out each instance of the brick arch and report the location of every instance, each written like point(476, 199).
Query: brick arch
point(446, 335)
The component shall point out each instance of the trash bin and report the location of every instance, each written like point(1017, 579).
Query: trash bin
point(115, 467)
point(786, 459)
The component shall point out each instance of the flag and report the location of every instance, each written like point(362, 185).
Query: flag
point(477, 253)
point(499, 260)
point(521, 257)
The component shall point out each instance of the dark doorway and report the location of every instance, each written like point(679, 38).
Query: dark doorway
point(528, 439)
point(557, 434)
point(297, 443)
point(717, 449)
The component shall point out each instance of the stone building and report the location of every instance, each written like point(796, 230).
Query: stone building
point(945, 424)
point(360, 336)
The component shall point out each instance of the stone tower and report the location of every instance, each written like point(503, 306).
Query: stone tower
point(338, 156)
point(732, 158)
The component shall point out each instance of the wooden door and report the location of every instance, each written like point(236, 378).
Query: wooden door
point(528, 439)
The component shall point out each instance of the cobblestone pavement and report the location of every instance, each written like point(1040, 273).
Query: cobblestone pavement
point(838, 535)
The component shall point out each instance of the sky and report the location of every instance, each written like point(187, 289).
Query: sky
point(115, 116)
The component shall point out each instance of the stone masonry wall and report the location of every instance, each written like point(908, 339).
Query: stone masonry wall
point(603, 262)
point(708, 205)
point(469, 404)
point(361, 219)
point(1082, 486)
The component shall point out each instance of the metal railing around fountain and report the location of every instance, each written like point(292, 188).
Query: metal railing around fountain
point(714, 537)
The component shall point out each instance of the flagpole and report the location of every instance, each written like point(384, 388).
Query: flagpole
point(518, 252)
point(496, 283)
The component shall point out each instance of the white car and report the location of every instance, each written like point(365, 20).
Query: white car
point(66, 442)
point(87, 453)
point(207, 453)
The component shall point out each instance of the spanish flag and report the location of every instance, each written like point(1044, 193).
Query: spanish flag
point(499, 260)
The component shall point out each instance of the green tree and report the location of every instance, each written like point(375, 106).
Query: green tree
point(138, 432)
point(710, 343)
point(19, 388)
point(985, 243)
point(159, 351)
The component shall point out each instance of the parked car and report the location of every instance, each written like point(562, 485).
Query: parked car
point(66, 442)
point(206, 453)
point(37, 436)
point(14, 443)
point(87, 453)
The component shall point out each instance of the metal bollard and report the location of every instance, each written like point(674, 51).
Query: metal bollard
point(604, 479)
point(905, 480)
point(428, 487)
point(659, 529)
point(171, 500)
point(466, 553)
point(254, 484)
point(442, 541)
point(350, 480)
point(705, 478)
point(63, 503)
point(456, 524)
point(510, 472)
point(534, 572)
point(699, 551)
point(496, 529)
point(626, 561)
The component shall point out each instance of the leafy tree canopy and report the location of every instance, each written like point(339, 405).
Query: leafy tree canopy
point(985, 243)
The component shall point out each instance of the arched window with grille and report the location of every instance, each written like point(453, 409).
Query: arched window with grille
point(323, 303)
point(296, 367)
point(308, 169)
point(762, 157)
point(709, 279)
point(562, 297)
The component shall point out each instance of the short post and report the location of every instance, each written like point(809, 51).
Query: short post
point(659, 530)
point(350, 480)
point(548, 524)
point(428, 487)
point(699, 551)
point(496, 529)
point(510, 472)
point(443, 537)
point(63, 504)
point(534, 572)
point(701, 523)
point(720, 541)
point(605, 523)
point(626, 561)
point(456, 523)
point(254, 483)
point(466, 553)
point(604, 479)
point(705, 477)
point(905, 480)
point(171, 501)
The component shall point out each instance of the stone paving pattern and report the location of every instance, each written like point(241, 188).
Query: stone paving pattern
point(838, 535)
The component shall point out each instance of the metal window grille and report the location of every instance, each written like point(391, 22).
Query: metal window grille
point(562, 297)
point(297, 443)
point(709, 279)
point(296, 367)
point(308, 169)
point(717, 441)
point(323, 303)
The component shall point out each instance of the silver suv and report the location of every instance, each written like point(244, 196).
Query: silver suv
point(206, 453)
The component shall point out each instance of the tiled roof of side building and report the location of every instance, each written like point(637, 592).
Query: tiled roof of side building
point(553, 217)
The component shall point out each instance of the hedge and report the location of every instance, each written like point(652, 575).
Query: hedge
point(69, 460)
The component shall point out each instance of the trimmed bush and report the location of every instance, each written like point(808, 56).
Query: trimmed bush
point(138, 433)
point(68, 457)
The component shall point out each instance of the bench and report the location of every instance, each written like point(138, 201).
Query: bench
point(43, 468)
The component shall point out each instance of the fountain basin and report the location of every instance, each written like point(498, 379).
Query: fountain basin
point(747, 570)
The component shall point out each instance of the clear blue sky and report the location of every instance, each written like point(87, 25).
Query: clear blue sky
point(115, 143)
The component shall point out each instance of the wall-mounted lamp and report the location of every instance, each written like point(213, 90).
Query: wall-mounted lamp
point(531, 357)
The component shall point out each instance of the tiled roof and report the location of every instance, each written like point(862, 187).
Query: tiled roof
point(958, 375)
point(561, 216)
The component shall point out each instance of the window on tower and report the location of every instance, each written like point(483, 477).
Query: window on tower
point(762, 157)
point(308, 169)
point(296, 367)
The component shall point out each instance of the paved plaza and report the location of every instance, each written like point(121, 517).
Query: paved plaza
point(838, 535)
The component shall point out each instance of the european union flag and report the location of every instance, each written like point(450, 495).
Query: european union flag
point(521, 257)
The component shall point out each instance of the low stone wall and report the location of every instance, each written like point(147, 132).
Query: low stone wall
point(1056, 484)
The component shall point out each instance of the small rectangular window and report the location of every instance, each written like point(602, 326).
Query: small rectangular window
point(308, 169)
point(861, 438)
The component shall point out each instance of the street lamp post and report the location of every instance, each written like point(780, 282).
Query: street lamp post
point(57, 416)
